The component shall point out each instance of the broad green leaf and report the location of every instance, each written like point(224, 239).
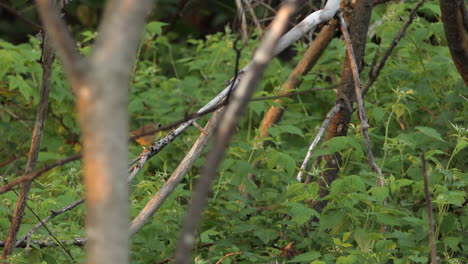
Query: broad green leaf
point(287, 162)
point(309, 256)
point(300, 213)
point(290, 129)
point(452, 243)
point(379, 193)
point(364, 241)
point(331, 146)
point(265, 234)
point(155, 27)
point(430, 132)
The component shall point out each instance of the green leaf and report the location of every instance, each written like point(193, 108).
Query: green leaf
point(430, 132)
point(292, 130)
point(331, 146)
point(287, 162)
point(265, 234)
point(309, 256)
point(300, 213)
point(461, 144)
point(452, 242)
point(379, 193)
point(364, 241)
point(155, 27)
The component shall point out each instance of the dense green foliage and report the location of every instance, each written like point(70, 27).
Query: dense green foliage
point(417, 105)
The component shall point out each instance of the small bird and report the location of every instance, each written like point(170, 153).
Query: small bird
point(146, 139)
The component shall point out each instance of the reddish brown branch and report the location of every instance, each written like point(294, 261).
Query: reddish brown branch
point(455, 19)
point(430, 218)
point(310, 58)
point(32, 175)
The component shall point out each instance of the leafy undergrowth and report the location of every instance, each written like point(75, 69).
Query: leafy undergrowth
point(417, 105)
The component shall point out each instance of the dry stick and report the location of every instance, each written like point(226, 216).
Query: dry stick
point(314, 144)
point(254, 17)
point(54, 214)
point(308, 60)
point(169, 186)
point(243, 21)
point(361, 109)
point(15, 116)
point(73, 63)
point(238, 101)
point(228, 255)
point(286, 40)
point(374, 74)
point(42, 244)
point(430, 218)
point(21, 16)
point(32, 175)
point(48, 59)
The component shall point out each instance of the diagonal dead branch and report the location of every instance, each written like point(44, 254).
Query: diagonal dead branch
point(314, 144)
point(360, 103)
point(177, 176)
point(32, 175)
point(310, 58)
point(233, 112)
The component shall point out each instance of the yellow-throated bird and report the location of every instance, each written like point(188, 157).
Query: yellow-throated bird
point(146, 139)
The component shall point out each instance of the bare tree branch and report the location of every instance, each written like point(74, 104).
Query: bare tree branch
point(375, 73)
point(48, 59)
point(23, 18)
point(32, 175)
point(360, 103)
point(102, 90)
point(311, 56)
point(73, 64)
point(430, 218)
point(359, 20)
point(455, 19)
point(177, 176)
point(54, 214)
point(237, 104)
point(314, 144)
point(50, 243)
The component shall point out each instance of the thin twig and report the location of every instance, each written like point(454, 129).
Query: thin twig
point(32, 175)
point(15, 116)
point(430, 218)
point(177, 176)
point(314, 144)
point(54, 214)
point(375, 73)
point(361, 109)
point(233, 112)
point(26, 20)
point(44, 244)
point(227, 256)
point(73, 63)
point(242, 20)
